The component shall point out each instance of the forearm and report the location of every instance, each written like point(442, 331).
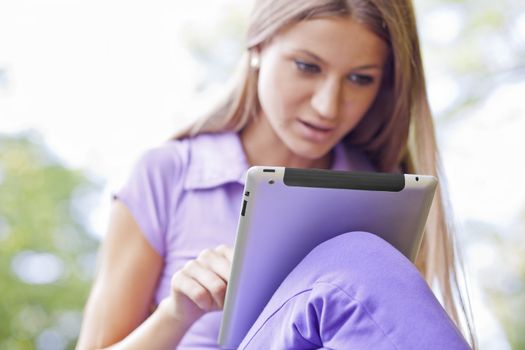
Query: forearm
point(159, 331)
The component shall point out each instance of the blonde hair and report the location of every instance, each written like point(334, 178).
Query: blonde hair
point(397, 131)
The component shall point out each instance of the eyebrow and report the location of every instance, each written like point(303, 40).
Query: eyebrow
point(319, 59)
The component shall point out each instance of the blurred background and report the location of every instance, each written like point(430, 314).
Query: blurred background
point(87, 86)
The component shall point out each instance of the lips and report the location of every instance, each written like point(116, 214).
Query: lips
point(315, 132)
point(318, 127)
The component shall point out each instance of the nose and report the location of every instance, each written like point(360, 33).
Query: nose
point(326, 98)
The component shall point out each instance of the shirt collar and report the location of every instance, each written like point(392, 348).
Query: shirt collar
point(218, 159)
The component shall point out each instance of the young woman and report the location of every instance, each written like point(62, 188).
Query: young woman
point(323, 84)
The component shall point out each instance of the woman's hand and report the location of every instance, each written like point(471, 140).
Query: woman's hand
point(200, 286)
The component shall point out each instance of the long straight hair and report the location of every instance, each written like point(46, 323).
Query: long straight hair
point(397, 131)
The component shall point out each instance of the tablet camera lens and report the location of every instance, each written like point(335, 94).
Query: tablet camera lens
point(417, 178)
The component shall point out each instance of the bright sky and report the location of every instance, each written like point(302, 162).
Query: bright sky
point(102, 80)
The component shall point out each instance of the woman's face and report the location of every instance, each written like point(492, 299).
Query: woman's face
point(317, 79)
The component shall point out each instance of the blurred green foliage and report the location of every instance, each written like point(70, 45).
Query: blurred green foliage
point(39, 213)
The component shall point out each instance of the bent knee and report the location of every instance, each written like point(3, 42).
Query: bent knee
point(363, 258)
point(358, 245)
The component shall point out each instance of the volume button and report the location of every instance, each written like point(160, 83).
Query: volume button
point(243, 211)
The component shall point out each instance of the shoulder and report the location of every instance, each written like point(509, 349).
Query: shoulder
point(183, 151)
point(171, 156)
point(198, 160)
point(177, 159)
point(168, 150)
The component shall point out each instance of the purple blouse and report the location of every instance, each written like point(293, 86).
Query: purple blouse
point(185, 196)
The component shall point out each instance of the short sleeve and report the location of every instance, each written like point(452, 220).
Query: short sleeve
point(151, 190)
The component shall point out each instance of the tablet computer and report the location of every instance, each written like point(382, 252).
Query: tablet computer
point(286, 212)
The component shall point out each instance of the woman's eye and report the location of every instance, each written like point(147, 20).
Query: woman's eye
point(307, 67)
point(361, 79)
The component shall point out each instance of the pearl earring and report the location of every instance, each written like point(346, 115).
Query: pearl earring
point(255, 62)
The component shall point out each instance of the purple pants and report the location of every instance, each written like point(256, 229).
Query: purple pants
point(354, 291)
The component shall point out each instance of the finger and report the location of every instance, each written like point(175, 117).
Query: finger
point(226, 251)
point(197, 293)
point(209, 280)
point(216, 262)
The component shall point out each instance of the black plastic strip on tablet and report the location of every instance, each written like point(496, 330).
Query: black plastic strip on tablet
point(342, 179)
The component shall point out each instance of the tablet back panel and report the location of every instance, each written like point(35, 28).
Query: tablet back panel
point(287, 212)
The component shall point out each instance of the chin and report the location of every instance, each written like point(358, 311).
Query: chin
point(312, 153)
